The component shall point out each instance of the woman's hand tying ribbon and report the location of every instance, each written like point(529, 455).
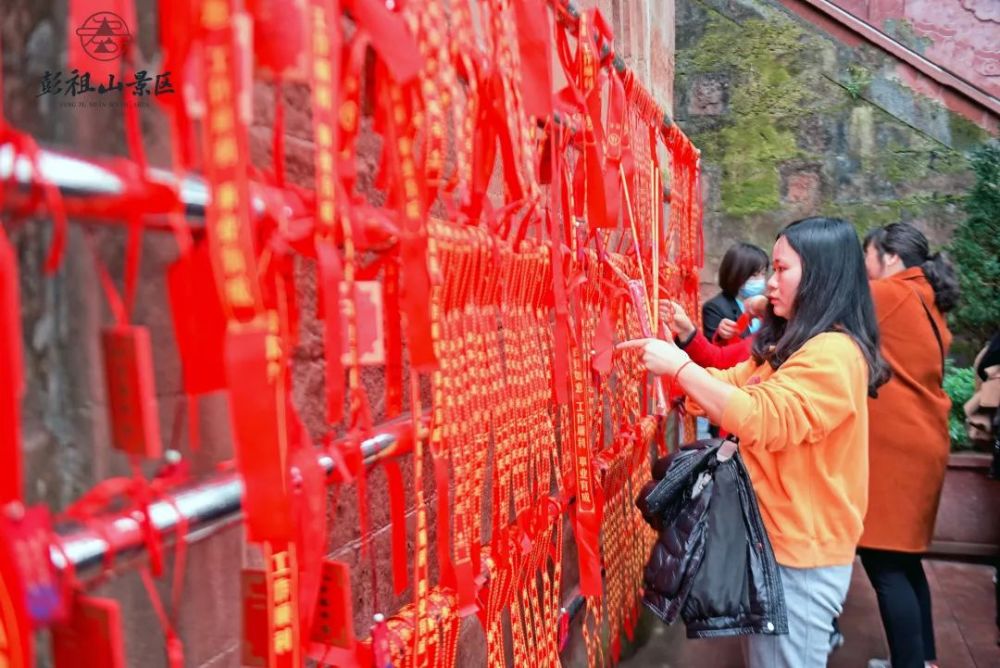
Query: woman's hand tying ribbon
point(676, 319)
point(659, 356)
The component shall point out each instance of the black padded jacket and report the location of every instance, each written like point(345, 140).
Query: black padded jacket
point(712, 563)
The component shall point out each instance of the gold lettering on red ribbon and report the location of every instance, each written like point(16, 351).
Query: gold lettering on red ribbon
point(282, 606)
point(228, 218)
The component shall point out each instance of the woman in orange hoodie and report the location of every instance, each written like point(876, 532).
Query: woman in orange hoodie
point(799, 406)
point(908, 434)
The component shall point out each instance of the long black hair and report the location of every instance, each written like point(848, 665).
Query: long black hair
point(833, 295)
point(911, 246)
point(741, 261)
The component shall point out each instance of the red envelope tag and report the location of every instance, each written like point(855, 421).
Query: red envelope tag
point(334, 616)
point(255, 390)
point(534, 39)
point(254, 648)
point(199, 321)
point(29, 537)
point(603, 344)
point(128, 367)
point(371, 336)
point(92, 637)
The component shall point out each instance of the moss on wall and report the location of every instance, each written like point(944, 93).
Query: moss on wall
point(797, 99)
point(965, 134)
point(773, 74)
point(867, 215)
point(907, 165)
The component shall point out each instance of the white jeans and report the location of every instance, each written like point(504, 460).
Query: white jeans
point(813, 597)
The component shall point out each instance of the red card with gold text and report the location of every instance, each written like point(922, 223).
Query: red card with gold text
point(371, 338)
point(334, 627)
point(253, 649)
point(28, 537)
point(91, 637)
point(128, 367)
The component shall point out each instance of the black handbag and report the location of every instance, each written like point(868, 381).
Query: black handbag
point(712, 563)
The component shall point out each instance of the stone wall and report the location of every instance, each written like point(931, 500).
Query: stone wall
point(793, 121)
point(66, 437)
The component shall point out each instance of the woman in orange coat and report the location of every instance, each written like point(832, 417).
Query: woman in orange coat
point(908, 434)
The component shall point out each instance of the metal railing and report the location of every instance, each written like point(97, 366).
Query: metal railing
point(212, 504)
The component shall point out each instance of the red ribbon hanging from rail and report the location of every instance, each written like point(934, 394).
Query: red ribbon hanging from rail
point(11, 375)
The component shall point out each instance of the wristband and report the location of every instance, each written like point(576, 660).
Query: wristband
point(673, 381)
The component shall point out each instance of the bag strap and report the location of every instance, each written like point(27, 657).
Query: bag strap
point(937, 332)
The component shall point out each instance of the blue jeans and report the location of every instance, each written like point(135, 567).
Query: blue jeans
point(701, 425)
point(813, 597)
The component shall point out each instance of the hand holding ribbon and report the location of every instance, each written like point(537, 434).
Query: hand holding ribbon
point(659, 357)
point(673, 315)
point(726, 330)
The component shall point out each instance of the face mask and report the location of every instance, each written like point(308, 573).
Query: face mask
point(754, 287)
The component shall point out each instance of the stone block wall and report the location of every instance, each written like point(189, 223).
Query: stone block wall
point(793, 121)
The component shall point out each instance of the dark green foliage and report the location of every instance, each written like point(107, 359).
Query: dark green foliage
point(975, 250)
point(959, 383)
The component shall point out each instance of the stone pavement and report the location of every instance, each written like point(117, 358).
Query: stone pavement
point(963, 617)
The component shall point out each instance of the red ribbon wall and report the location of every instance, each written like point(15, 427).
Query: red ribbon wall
point(514, 233)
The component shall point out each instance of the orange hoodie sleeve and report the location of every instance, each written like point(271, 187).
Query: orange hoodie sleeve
point(734, 375)
point(803, 400)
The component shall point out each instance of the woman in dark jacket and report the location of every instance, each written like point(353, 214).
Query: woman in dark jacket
point(741, 276)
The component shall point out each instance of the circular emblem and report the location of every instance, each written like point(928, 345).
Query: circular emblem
point(614, 140)
point(104, 36)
